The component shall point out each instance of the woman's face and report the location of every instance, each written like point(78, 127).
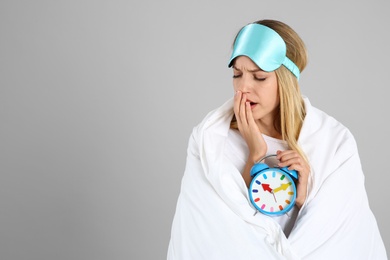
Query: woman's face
point(260, 88)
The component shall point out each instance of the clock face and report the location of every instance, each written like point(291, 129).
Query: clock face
point(272, 192)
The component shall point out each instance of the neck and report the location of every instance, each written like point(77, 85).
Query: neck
point(268, 129)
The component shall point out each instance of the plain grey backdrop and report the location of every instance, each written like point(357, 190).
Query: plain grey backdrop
point(98, 99)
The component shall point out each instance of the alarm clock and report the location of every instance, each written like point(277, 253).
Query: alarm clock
point(272, 190)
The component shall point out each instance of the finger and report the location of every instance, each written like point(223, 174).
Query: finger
point(283, 156)
point(244, 121)
point(291, 159)
point(237, 106)
point(297, 167)
point(237, 98)
point(296, 161)
point(249, 117)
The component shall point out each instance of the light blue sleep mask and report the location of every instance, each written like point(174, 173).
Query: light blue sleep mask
point(265, 47)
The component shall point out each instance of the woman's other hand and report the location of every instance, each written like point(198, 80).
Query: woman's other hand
point(294, 161)
point(248, 127)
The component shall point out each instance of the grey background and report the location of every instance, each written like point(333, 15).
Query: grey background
point(98, 98)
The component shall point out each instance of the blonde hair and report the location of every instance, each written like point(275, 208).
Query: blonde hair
point(291, 108)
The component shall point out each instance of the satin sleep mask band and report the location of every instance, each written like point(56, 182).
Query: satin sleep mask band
point(265, 47)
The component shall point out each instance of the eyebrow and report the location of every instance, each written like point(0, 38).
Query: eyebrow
point(254, 70)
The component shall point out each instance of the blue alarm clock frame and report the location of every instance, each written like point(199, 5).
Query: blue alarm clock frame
point(258, 170)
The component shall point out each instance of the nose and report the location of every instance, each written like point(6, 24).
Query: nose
point(244, 84)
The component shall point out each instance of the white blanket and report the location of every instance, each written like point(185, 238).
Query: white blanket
point(215, 220)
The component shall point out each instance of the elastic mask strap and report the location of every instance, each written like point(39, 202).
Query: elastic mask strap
point(290, 65)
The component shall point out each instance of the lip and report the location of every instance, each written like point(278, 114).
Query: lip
point(253, 104)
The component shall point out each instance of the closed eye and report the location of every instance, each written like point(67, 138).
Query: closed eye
point(259, 79)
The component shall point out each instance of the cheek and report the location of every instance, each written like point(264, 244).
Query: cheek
point(269, 94)
point(273, 89)
point(275, 95)
point(235, 85)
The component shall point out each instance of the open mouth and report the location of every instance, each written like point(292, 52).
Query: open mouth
point(252, 104)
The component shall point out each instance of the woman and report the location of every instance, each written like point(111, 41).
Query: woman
point(215, 219)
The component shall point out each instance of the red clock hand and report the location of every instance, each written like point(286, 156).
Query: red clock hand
point(266, 187)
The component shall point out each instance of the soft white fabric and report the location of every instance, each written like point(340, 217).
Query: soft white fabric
point(214, 218)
